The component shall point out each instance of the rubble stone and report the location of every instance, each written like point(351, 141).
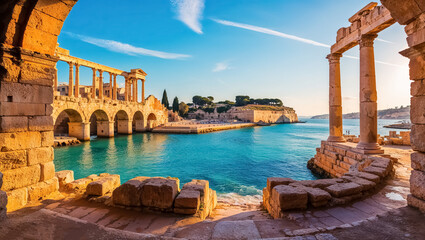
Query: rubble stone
point(344, 189)
point(159, 193)
point(104, 185)
point(288, 197)
point(129, 193)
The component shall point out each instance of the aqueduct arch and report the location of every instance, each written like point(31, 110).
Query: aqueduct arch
point(64, 119)
point(123, 122)
point(28, 36)
point(138, 122)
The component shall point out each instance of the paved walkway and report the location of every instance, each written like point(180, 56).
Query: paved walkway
point(242, 222)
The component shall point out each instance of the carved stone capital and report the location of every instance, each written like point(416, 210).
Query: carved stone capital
point(334, 57)
point(367, 40)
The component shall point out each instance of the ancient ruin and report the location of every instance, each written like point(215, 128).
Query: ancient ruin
point(29, 30)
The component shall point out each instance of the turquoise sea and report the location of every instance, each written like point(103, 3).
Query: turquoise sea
point(235, 162)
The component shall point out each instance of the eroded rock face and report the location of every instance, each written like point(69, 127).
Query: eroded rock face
point(106, 184)
point(129, 193)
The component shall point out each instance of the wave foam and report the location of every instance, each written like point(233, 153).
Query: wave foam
point(238, 200)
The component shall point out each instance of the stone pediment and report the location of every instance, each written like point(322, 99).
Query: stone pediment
point(138, 73)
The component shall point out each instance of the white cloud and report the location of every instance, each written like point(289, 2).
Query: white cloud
point(221, 66)
point(126, 48)
point(270, 32)
point(190, 13)
point(383, 40)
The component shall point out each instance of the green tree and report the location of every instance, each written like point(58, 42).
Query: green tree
point(242, 100)
point(175, 104)
point(211, 98)
point(165, 99)
point(197, 100)
point(183, 109)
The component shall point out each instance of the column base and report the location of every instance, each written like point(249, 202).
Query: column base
point(368, 148)
point(336, 139)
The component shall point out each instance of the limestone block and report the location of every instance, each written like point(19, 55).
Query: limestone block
point(64, 177)
point(319, 183)
point(275, 181)
point(417, 110)
point(20, 177)
point(159, 193)
point(417, 184)
point(288, 197)
point(78, 185)
point(22, 109)
point(129, 193)
point(19, 141)
point(416, 202)
point(365, 184)
point(185, 211)
point(418, 161)
point(40, 190)
point(381, 172)
point(368, 176)
point(344, 189)
point(3, 199)
point(202, 186)
point(416, 65)
point(381, 162)
point(40, 155)
point(13, 124)
point(103, 186)
point(402, 11)
point(316, 196)
point(47, 139)
point(417, 88)
point(13, 160)
point(41, 123)
point(16, 199)
point(417, 137)
point(47, 171)
point(187, 199)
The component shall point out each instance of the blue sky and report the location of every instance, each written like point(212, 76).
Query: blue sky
point(196, 47)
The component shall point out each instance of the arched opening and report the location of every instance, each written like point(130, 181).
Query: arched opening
point(122, 123)
point(99, 124)
point(138, 122)
point(66, 118)
point(152, 122)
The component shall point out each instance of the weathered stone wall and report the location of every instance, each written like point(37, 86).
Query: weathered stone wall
point(412, 14)
point(248, 115)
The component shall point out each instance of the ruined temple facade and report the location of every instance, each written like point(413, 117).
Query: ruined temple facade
point(29, 31)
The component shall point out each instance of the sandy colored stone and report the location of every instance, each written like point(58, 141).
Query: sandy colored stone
point(418, 161)
point(1, 180)
point(316, 196)
point(40, 190)
point(13, 124)
point(19, 141)
point(16, 199)
point(12, 160)
point(185, 211)
point(275, 181)
point(202, 186)
point(20, 177)
point(159, 193)
point(64, 177)
point(40, 155)
point(288, 197)
point(382, 162)
point(368, 176)
point(417, 184)
point(381, 172)
point(365, 184)
point(344, 189)
point(78, 185)
point(188, 199)
point(103, 186)
point(416, 202)
point(417, 137)
point(129, 193)
point(47, 171)
point(319, 183)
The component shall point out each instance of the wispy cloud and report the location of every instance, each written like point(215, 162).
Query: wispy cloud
point(190, 12)
point(348, 98)
point(269, 31)
point(380, 62)
point(126, 48)
point(221, 66)
point(383, 40)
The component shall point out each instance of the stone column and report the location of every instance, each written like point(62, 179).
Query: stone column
point(368, 97)
point(71, 80)
point(55, 84)
point(100, 84)
point(126, 89)
point(136, 91)
point(335, 100)
point(77, 80)
point(114, 91)
point(93, 95)
point(143, 90)
point(110, 85)
point(80, 130)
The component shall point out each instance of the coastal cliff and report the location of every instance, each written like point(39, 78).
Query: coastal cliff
point(391, 113)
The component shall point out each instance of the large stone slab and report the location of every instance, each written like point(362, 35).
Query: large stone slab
point(416, 202)
point(365, 184)
point(202, 186)
point(64, 177)
point(288, 197)
point(40, 190)
point(317, 197)
point(103, 185)
point(275, 181)
point(16, 199)
point(319, 183)
point(368, 176)
point(418, 161)
point(130, 193)
point(159, 192)
point(417, 184)
point(188, 199)
point(235, 230)
point(381, 172)
point(344, 189)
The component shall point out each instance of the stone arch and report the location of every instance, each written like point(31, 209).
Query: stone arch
point(122, 123)
point(100, 124)
point(63, 121)
point(152, 121)
point(138, 122)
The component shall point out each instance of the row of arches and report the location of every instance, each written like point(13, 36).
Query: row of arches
point(70, 122)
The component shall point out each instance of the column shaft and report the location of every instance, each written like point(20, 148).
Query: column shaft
point(100, 84)
point(143, 90)
point(335, 100)
point(94, 84)
point(77, 80)
point(71, 79)
point(110, 85)
point(368, 96)
point(114, 91)
point(126, 95)
point(136, 95)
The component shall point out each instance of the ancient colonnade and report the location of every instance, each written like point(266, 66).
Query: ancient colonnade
point(365, 25)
